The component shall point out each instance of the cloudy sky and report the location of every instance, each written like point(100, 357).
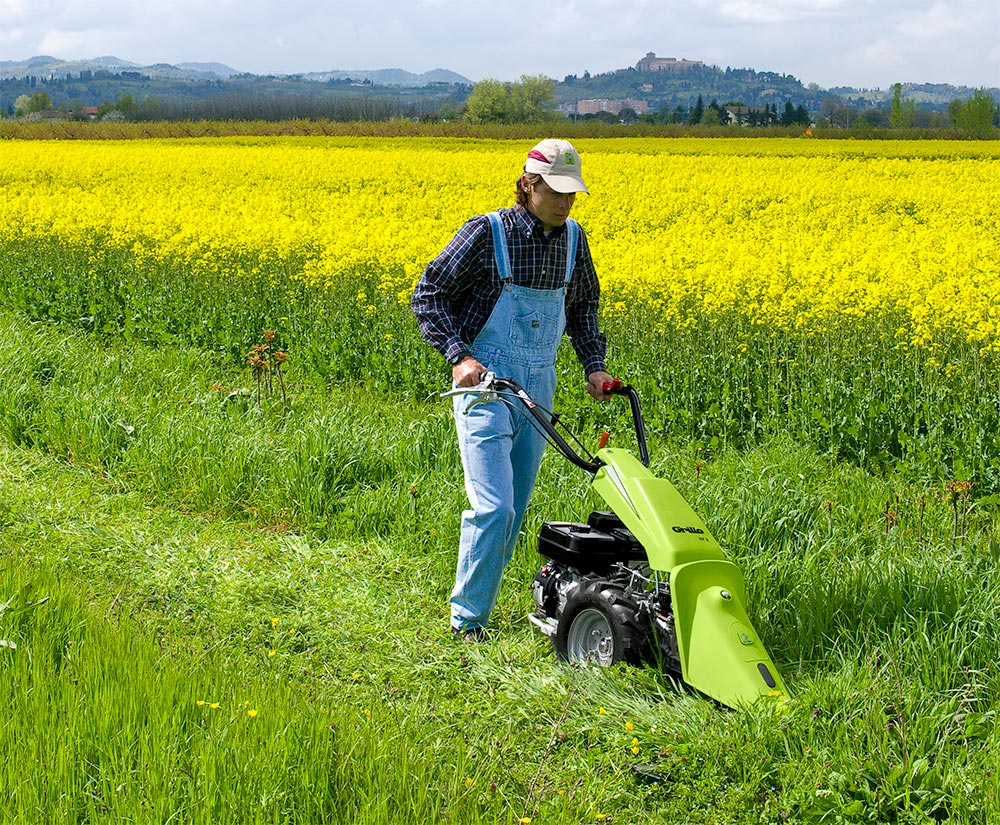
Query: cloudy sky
point(861, 43)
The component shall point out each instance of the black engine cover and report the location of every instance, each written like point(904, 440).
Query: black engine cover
point(594, 546)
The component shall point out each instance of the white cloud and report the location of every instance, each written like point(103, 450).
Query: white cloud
point(883, 53)
point(742, 11)
point(9, 37)
point(831, 42)
point(934, 23)
point(60, 43)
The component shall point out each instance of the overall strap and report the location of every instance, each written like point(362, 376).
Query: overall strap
point(500, 253)
point(572, 238)
point(502, 256)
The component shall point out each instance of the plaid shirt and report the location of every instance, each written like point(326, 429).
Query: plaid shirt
point(457, 292)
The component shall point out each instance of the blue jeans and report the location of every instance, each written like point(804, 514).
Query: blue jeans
point(501, 452)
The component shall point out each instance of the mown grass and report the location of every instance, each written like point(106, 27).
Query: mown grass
point(167, 539)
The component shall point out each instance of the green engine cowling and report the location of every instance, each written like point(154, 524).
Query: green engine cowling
point(720, 652)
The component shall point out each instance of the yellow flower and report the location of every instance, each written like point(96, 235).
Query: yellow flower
point(274, 621)
point(629, 726)
point(214, 706)
point(200, 703)
point(272, 652)
point(602, 712)
point(252, 713)
point(906, 229)
point(468, 782)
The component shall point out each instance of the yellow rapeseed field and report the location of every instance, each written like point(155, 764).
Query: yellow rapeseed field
point(792, 232)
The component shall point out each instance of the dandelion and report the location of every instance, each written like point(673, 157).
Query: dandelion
point(200, 703)
point(629, 726)
point(275, 621)
point(272, 653)
point(525, 820)
point(468, 782)
point(252, 713)
point(214, 705)
point(602, 712)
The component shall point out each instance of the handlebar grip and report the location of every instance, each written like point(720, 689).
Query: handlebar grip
point(612, 386)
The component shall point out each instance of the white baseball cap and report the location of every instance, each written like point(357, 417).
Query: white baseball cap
point(559, 165)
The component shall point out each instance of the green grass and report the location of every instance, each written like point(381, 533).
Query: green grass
point(166, 539)
point(105, 723)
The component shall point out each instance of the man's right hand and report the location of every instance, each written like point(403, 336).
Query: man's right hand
point(468, 372)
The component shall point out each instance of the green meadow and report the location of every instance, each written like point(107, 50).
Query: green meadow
point(223, 587)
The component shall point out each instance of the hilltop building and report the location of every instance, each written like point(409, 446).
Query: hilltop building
point(652, 63)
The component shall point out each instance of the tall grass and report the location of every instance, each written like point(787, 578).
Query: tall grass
point(853, 390)
point(101, 726)
point(169, 538)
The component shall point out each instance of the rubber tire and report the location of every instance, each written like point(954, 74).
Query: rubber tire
point(599, 626)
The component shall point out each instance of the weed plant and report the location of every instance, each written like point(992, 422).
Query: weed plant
point(172, 539)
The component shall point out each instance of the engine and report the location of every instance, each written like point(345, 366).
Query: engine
point(603, 557)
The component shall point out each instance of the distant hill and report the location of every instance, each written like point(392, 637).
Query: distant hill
point(44, 66)
point(391, 77)
point(681, 83)
point(197, 91)
point(668, 83)
point(653, 84)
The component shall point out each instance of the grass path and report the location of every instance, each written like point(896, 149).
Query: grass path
point(172, 610)
point(176, 654)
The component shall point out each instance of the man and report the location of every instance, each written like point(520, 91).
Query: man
point(499, 298)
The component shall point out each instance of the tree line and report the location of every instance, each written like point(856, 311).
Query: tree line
point(531, 99)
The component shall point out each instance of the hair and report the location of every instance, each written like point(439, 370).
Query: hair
point(528, 179)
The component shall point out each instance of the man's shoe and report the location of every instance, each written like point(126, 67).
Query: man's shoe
point(469, 634)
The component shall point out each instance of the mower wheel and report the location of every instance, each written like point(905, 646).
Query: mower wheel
point(599, 626)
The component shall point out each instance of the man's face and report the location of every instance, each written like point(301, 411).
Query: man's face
point(550, 207)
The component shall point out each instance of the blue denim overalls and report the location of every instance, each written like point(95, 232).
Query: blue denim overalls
point(500, 449)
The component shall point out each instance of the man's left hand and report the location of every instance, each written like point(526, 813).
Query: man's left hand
point(595, 385)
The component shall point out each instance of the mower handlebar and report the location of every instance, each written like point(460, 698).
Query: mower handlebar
point(492, 388)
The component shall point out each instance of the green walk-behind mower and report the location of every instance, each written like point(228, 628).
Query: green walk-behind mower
point(643, 581)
